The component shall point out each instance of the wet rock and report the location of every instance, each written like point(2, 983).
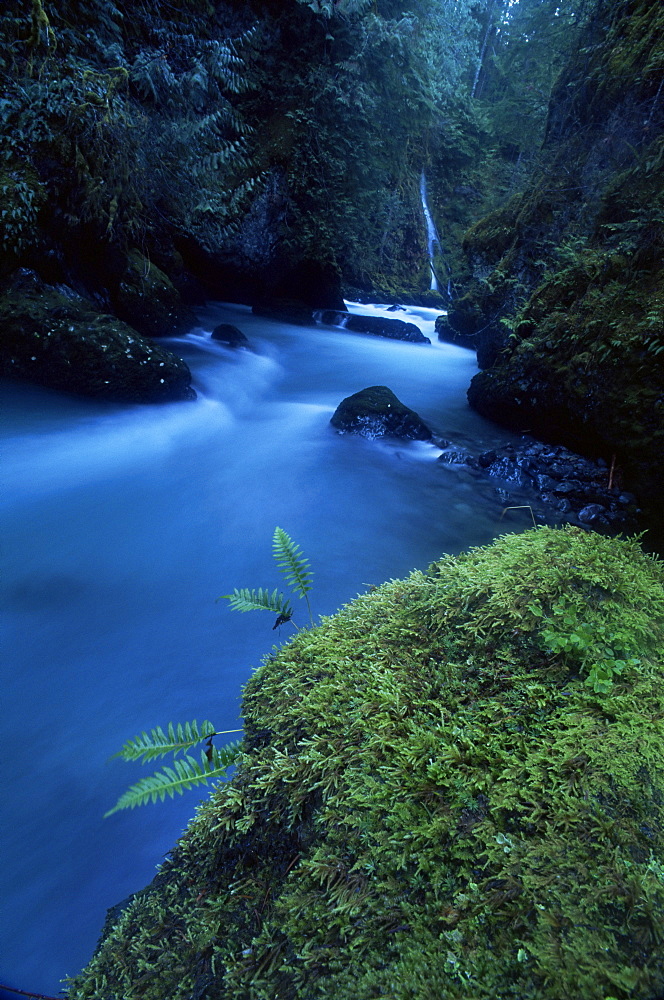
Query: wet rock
point(376, 412)
point(379, 326)
point(146, 299)
point(456, 456)
point(285, 311)
point(61, 341)
point(593, 512)
point(455, 328)
point(230, 335)
point(566, 483)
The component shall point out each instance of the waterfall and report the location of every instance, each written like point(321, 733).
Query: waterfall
point(432, 234)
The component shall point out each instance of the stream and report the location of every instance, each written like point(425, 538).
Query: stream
point(123, 524)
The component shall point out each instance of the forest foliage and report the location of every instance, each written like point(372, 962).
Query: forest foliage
point(141, 127)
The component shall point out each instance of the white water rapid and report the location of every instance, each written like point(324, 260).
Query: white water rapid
point(122, 524)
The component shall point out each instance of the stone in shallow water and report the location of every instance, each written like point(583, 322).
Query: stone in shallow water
point(376, 412)
point(379, 326)
point(228, 334)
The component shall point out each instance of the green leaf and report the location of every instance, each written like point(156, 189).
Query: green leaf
point(244, 599)
point(158, 743)
point(183, 775)
point(291, 562)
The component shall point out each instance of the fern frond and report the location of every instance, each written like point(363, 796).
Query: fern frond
point(291, 562)
point(184, 774)
point(244, 599)
point(158, 743)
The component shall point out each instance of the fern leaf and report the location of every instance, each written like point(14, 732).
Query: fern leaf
point(244, 599)
point(291, 562)
point(184, 774)
point(158, 743)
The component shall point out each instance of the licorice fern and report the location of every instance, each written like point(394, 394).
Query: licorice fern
point(294, 566)
point(158, 743)
point(186, 771)
point(243, 599)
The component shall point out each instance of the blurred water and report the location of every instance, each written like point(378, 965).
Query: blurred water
point(122, 524)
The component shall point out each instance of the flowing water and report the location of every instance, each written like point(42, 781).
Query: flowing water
point(122, 524)
point(432, 234)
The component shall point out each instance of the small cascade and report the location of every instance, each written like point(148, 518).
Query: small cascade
point(432, 234)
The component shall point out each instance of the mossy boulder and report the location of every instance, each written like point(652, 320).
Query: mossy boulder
point(53, 337)
point(146, 299)
point(439, 796)
point(375, 412)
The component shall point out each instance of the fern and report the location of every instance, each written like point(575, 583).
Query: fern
point(243, 599)
point(185, 773)
point(294, 566)
point(291, 562)
point(159, 743)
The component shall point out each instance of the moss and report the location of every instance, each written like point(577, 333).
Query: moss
point(147, 299)
point(432, 802)
point(53, 337)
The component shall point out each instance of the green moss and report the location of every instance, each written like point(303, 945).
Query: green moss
point(54, 338)
point(431, 804)
point(565, 301)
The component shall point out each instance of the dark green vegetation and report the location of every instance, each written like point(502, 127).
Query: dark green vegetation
point(434, 801)
point(258, 152)
point(565, 303)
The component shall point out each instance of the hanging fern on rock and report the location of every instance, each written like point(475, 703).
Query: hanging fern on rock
point(186, 772)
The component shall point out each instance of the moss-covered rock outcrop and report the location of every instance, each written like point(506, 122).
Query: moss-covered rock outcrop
point(53, 337)
point(566, 303)
point(434, 801)
point(375, 412)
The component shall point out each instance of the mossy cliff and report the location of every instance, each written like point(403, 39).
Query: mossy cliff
point(565, 300)
point(235, 149)
point(433, 801)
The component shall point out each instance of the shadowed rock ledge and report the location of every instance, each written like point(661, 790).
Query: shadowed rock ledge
point(53, 337)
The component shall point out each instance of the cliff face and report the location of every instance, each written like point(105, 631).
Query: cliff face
point(565, 303)
point(452, 787)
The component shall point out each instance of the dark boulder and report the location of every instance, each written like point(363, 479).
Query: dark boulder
point(230, 335)
point(376, 412)
point(285, 311)
point(313, 282)
point(456, 328)
point(146, 299)
point(379, 326)
point(55, 338)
